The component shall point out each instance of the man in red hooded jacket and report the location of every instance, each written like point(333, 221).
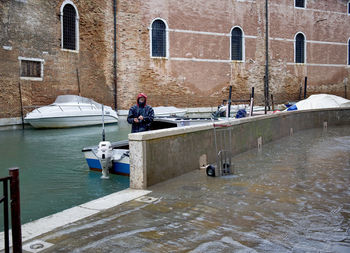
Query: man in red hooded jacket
point(141, 115)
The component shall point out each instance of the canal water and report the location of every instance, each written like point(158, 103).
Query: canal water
point(54, 175)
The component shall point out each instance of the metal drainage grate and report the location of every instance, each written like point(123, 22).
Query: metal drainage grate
point(146, 199)
point(36, 246)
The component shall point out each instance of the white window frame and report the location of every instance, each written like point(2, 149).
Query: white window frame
point(305, 4)
point(166, 39)
point(295, 48)
point(76, 26)
point(243, 44)
point(348, 8)
point(20, 58)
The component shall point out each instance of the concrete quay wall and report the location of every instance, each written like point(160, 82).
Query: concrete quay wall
point(160, 155)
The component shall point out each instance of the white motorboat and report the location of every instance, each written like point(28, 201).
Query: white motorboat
point(71, 111)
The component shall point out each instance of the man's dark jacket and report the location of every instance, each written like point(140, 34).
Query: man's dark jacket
point(146, 111)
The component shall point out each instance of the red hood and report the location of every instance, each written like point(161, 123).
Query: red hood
point(141, 95)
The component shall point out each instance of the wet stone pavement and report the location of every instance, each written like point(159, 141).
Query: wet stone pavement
point(292, 196)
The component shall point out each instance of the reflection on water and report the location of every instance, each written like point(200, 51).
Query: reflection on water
point(53, 173)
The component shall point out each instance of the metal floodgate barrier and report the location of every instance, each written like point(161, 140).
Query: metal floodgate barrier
point(13, 178)
point(223, 151)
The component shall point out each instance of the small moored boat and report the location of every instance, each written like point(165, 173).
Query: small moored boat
point(71, 111)
point(109, 157)
point(320, 101)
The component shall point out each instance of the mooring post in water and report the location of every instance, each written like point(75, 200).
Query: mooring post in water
point(252, 102)
point(305, 87)
point(266, 77)
point(15, 210)
point(78, 82)
point(300, 91)
point(345, 87)
point(272, 103)
point(20, 100)
point(265, 99)
point(103, 124)
point(229, 101)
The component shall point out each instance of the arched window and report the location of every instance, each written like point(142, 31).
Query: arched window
point(299, 48)
point(159, 43)
point(69, 26)
point(299, 3)
point(236, 44)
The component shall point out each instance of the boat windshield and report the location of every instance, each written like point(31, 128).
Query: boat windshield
point(74, 99)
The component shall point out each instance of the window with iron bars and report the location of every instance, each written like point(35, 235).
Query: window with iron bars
point(158, 39)
point(300, 48)
point(30, 68)
point(69, 29)
point(300, 3)
point(236, 44)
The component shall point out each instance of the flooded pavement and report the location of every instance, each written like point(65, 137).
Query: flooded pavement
point(292, 196)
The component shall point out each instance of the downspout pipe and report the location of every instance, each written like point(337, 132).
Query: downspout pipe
point(267, 104)
point(115, 54)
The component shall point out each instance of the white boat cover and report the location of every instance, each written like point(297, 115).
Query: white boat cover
point(319, 101)
point(74, 99)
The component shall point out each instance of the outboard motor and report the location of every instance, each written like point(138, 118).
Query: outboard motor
point(104, 153)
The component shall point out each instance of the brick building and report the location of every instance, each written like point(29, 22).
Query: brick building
point(184, 53)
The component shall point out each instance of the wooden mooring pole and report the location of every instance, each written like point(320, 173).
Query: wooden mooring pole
point(345, 87)
point(272, 103)
point(252, 102)
point(21, 103)
point(229, 101)
point(305, 87)
point(15, 211)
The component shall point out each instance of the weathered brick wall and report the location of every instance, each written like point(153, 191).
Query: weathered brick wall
point(32, 29)
point(183, 82)
point(324, 25)
point(198, 70)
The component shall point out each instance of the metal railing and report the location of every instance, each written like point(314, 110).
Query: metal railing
point(13, 178)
